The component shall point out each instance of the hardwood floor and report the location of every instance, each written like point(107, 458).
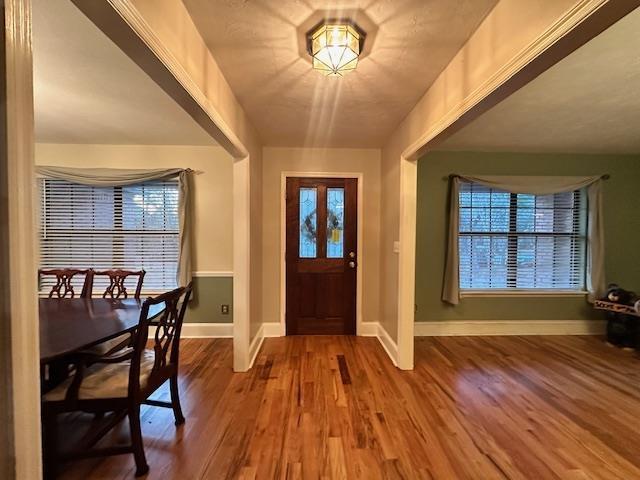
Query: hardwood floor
point(335, 407)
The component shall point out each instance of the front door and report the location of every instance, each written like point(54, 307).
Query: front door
point(321, 256)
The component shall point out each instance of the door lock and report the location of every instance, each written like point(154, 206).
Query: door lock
point(352, 254)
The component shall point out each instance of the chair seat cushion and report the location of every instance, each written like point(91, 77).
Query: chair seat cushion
point(109, 380)
point(106, 347)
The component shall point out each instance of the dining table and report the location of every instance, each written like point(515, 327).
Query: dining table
point(69, 325)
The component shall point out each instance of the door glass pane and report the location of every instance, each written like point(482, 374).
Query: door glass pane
point(335, 222)
point(308, 222)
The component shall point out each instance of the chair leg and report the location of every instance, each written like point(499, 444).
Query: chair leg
point(136, 441)
point(175, 399)
point(49, 443)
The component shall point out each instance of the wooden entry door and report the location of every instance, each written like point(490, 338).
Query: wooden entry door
point(321, 256)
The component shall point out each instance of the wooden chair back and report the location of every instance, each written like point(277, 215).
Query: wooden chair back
point(117, 278)
point(165, 340)
point(63, 286)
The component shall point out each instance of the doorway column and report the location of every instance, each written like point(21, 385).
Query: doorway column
point(18, 245)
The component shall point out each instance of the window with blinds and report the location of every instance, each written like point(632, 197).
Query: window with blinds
point(515, 241)
point(131, 227)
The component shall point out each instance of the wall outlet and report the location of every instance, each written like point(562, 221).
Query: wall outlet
point(224, 309)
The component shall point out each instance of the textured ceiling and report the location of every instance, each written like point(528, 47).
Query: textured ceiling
point(255, 44)
point(587, 103)
point(88, 91)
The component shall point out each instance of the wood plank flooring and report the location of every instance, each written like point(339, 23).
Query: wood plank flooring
point(335, 407)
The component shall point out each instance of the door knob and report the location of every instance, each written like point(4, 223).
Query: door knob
point(352, 254)
point(352, 264)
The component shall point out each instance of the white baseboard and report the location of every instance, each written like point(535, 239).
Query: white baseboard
point(388, 344)
point(368, 329)
point(207, 330)
point(273, 329)
point(508, 327)
point(213, 273)
point(254, 348)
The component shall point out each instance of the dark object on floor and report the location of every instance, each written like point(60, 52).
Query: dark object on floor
point(622, 330)
point(623, 316)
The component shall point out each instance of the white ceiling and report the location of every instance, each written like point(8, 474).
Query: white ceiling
point(88, 91)
point(255, 44)
point(587, 103)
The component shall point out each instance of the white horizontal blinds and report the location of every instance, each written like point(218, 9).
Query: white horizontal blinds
point(130, 227)
point(521, 241)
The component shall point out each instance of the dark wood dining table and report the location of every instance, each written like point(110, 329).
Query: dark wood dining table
point(74, 324)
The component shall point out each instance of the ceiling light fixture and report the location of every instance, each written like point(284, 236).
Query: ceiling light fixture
point(335, 46)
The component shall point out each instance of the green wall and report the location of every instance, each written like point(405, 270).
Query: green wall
point(622, 231)
point(209, 294)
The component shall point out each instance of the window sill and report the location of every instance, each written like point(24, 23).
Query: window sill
point(522, 293)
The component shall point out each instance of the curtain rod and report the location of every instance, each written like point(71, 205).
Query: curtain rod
point(605, 176)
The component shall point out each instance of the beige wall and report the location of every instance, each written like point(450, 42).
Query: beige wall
point(255, 201)
point(312, 160)
point(510, 28)
point(390, 218)
point(212, 184)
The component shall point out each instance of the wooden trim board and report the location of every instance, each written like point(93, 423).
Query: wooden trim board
point(509, 327)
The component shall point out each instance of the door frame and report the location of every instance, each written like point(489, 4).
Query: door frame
point(283, 240)
point(19, 301)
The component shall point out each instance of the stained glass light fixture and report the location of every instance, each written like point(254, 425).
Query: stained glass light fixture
point(335, 47)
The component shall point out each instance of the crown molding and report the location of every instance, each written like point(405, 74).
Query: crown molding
point(537, 49)
point(123, 23)
point(139, 25)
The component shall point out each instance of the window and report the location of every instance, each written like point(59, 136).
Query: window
point(131, 227)
point(308, 222)
point(515, 241)
point(335, 222)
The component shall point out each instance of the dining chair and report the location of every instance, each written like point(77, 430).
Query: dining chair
point(117, 279)
point(63, 286)
point(117, 289)
point(120, 383)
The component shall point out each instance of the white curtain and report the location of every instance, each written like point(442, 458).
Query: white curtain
point(113, 177)
point(535, 186)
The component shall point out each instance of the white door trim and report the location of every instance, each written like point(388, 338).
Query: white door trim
point(241, 265)
point(22, 244)
point(283, 239)
point(407, 263)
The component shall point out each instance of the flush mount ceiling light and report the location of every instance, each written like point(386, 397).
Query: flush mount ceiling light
point(335, 46)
